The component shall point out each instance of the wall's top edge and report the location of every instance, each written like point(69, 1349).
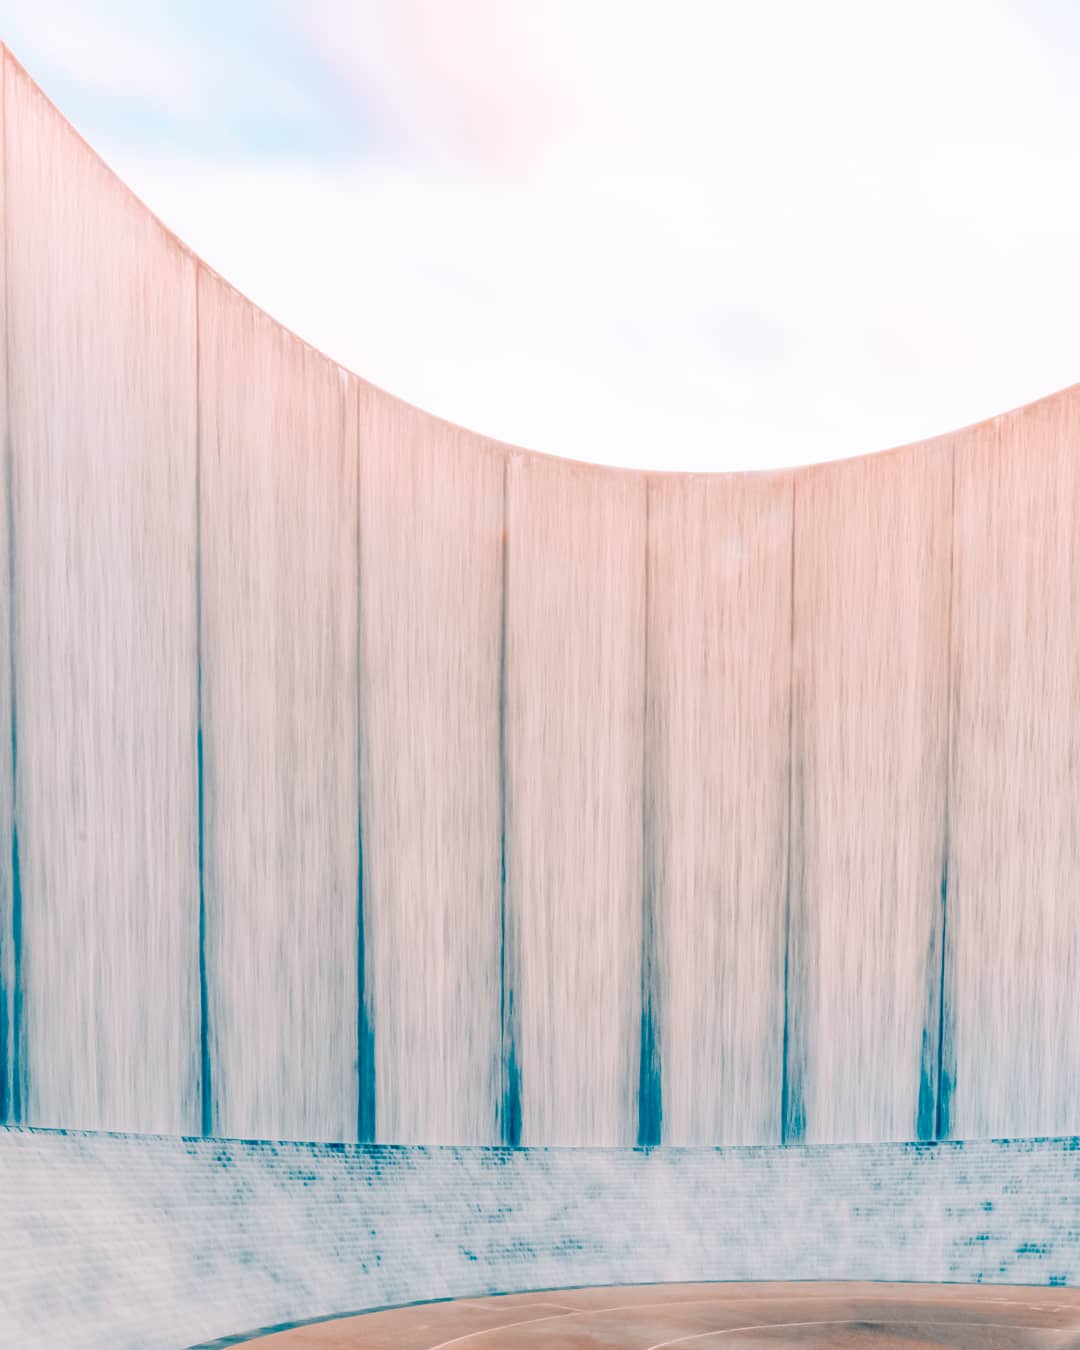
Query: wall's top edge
point(1061, 1143)
point(938, 442)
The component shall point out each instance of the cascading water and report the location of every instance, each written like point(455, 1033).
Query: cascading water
point(361, 777)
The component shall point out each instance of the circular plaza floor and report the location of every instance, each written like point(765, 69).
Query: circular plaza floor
point(844, 1316)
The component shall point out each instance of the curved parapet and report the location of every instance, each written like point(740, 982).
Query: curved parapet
point(361, 777)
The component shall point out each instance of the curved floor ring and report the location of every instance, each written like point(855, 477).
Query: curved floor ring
point(698, 1316)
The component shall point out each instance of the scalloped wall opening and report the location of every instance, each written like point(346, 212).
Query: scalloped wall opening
point(362, 777)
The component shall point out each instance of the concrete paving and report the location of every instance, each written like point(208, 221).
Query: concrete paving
point(648, 1317)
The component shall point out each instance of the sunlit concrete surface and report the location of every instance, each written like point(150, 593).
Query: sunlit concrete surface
point(855, 1316)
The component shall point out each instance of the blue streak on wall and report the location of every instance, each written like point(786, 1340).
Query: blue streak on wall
point(650, 1076)
point(792, 1107)
point(509, 1104)
point(945, 1038)
point(206, 1098)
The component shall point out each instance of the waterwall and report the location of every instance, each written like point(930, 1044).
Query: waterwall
point(155, 1243)
point(364, 778)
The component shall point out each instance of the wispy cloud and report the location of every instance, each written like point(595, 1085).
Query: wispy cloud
point(698, 235)
point(151, 75)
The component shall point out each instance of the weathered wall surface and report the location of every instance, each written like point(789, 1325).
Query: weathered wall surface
point(574, 724)
point(8, 919)
point(1012, 1046)
point(717, 756)
point(156, 1243)
point(100, 321)
point(361, 778)
point(431, 586)
point(869, 735)
point(278, 678)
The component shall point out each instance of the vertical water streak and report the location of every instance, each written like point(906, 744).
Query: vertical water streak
point(935, 1088)
point(946, 1065)
point(1012, 1042)
point(793, 1067)
point(870, 729)
point(101, 413)
point(366, 1106)
point(943, 1071)
point(366, 1117)
point(206, 1088)
point(206, 1082)
point(7, 666)
point(432, 518)
point(719, 680)
point(279, 648)
point(510, 1101)
point(574, 673)
point(650, 1081)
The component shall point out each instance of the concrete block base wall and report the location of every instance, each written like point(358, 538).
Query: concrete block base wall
point(155, 1242)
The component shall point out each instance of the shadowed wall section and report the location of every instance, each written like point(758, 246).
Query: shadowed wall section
point(367, 778)
point(101, 422)
point(278, 531)
point(431, 578)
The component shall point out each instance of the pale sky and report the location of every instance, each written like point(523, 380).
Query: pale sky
point(678, 234)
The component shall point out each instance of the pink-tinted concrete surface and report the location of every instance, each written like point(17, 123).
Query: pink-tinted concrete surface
point(647, 1317)
point(376, 781)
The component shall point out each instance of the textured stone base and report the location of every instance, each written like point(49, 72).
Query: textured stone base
point(153, 1243)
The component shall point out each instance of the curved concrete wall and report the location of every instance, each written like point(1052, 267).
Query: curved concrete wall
point(156, 1243)
point(364, 778)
